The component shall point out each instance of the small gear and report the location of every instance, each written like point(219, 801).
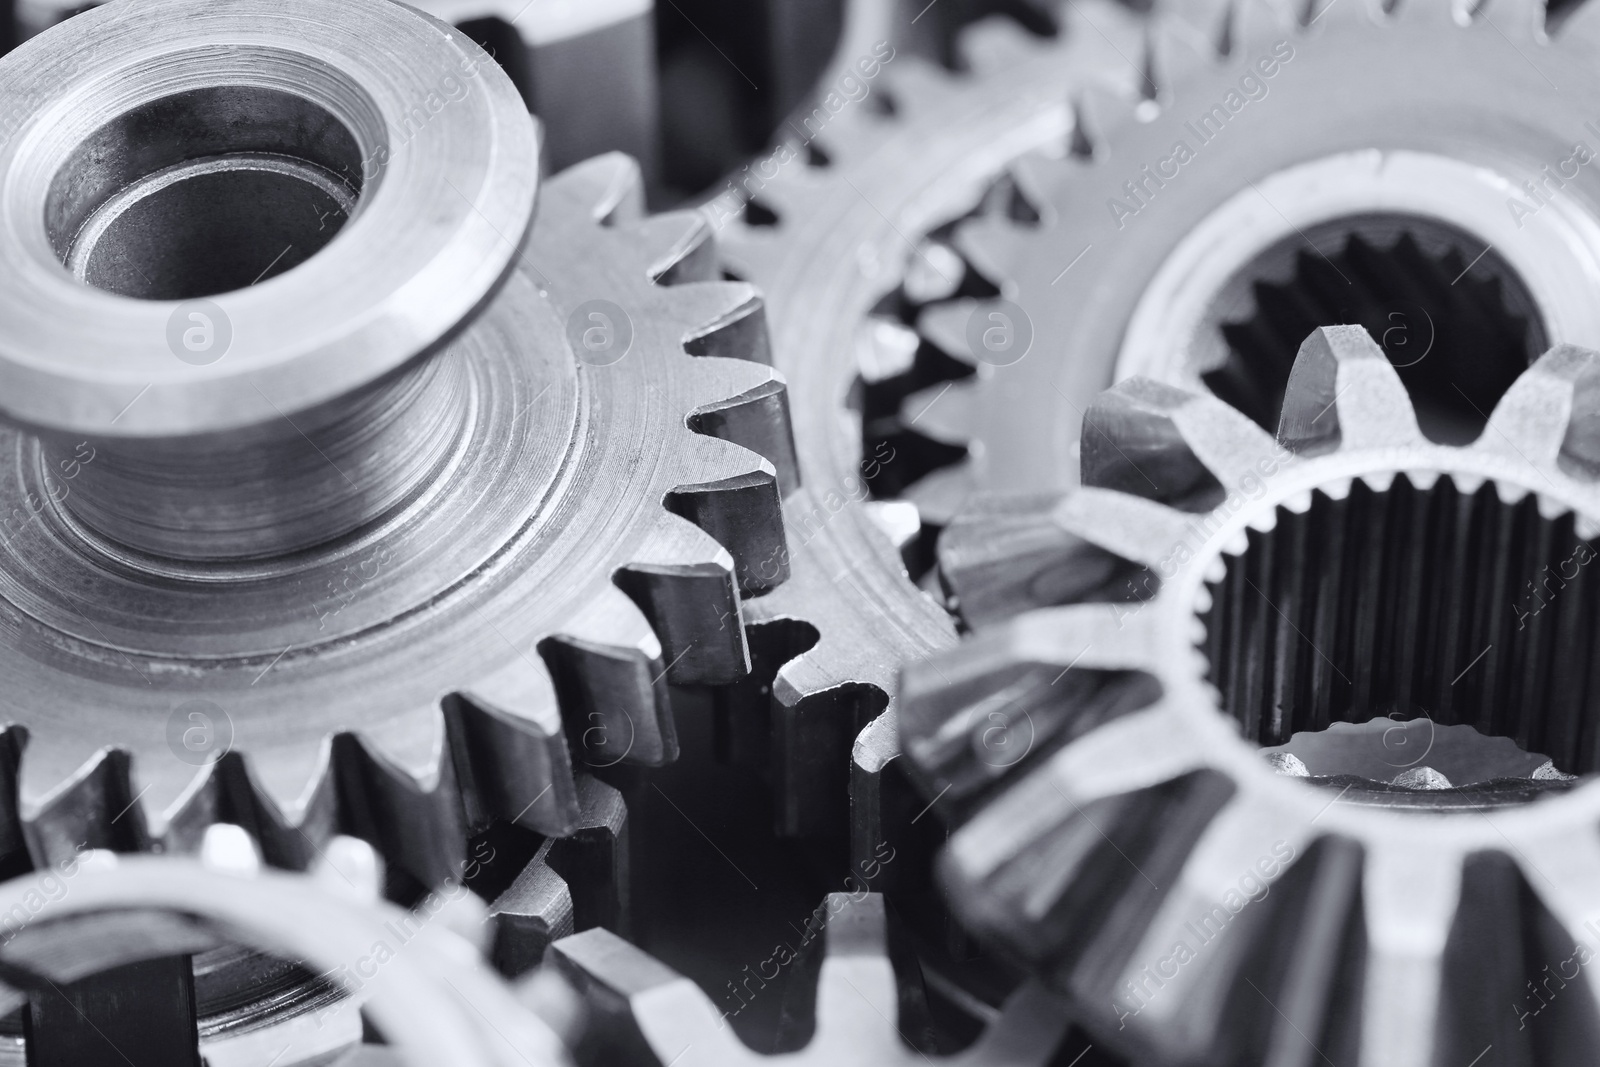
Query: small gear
point(1406, 166)
point(894, 145)
point(338, 548)
point(639, 1001)
point(1208, 590)
point(138, 959)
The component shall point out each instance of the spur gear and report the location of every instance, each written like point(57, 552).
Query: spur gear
point(138, 960)
point(239, 583)
point(1406, 166)
point(1208, 590)
point(894, 145)
point(649, 1011)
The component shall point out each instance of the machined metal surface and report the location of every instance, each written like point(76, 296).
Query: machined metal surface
point(1406, 167)
point(1209, 590)
point(422, 495)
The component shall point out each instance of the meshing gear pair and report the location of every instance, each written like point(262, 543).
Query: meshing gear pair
point(337, 548)
point(1209, 592)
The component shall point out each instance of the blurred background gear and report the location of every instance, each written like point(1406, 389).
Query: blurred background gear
point(317, 555)
point(1112, 743)
point(1275, 171)
point(145, 960)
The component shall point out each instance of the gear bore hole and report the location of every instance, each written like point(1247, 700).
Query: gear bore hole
point(203, 192)
point(1415, 603)
point(1452, 316)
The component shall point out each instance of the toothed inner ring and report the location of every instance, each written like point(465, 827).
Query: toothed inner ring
point(1453, 316)
point(1422, 600)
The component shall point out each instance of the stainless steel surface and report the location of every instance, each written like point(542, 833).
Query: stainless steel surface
point(1209, 590)
point(351, 574)
point(1292, 157)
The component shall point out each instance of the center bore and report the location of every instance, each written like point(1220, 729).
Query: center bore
point(1411, 602)
point(204, 192)
point(1454, 318)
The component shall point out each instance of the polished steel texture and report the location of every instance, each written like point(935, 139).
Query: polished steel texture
point(894, 145)
point(1405, 142)
point(1208, 590)
point(335, 549)
point(855, 1010)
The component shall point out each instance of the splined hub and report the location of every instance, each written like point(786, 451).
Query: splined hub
point(1229, 591)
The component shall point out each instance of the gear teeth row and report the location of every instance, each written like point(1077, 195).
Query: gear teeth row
point(651, 1011)
point(1117, 837)
point(594, 687)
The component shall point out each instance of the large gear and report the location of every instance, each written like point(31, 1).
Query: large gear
point(893, 146)
point(258, 550)
point(1208, 590)
point(1407, 166)
point(855, 1014)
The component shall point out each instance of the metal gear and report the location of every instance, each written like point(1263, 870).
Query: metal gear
point(1405, 165)
point(1208, 590)
point(118, 954)
point(238, 580)
point(824, 237)
point(656, 1015)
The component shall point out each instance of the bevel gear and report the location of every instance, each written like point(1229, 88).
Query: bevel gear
point(1208, 590)
point(825, 240)
point(1407, 166)
point(239, 580)
point(646, 1009)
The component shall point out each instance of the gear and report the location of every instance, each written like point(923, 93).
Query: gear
point(1403, 165)
point(116, 950)
point(238, 576)
point(1208, 590)
point(649, 1011)
point(824, 237)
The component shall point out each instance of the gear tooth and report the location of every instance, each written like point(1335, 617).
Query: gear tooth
point(970, 715)
point(1445, 14)
point(293, 787)
point(1551, 414)
point(534, 910)
point(1166, 444)
point(403, 794)
point(1188, 1019)
point(727, 319)
point(941, 412)
point(940, 495)
point(349, 867)
point(856, 990)
point(683, 581)
point(1253, 27)
point(992, 245)
point(679, 247)
point(1409, 901)
point(607, 189)
point(647, 1000)
point(1036, 179)
point(1009, 554)
point(611, 682)
point(1097, 110)
point(993, 45)
point(750, 409)
point(1175, 52)
point(917, 87)
point(1143, 531)
point(508, 727)
point(69, 790)
point(732, 494)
